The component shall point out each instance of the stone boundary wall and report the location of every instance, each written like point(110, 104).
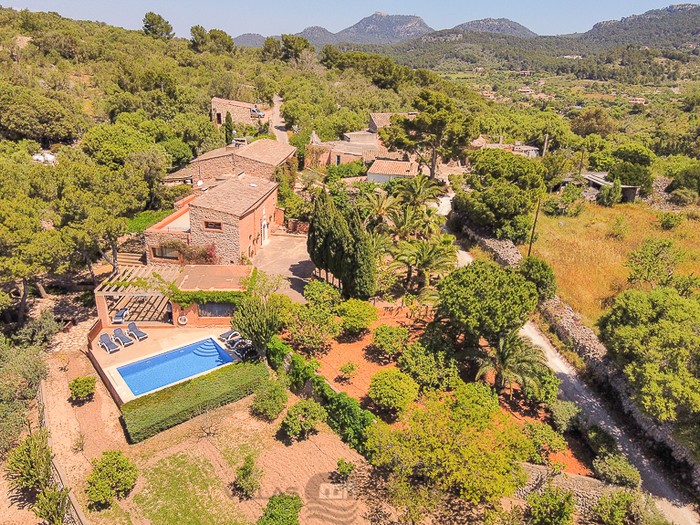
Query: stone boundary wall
point(567, 324)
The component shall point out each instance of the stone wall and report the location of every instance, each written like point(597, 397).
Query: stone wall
point(227, 241)
point(154, 239)
point(254, 168)
point(587, 491)
point(569, 327)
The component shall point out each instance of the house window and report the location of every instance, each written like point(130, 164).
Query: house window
point(165, 252)
point(337, 160)
point(218, 119)
point(213, 225)
point(216, 309)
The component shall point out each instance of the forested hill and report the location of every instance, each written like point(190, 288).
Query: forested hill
point(673, 27)
point(660, 43)
point(499, 26)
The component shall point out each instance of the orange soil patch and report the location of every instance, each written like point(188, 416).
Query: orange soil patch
point(360, 353)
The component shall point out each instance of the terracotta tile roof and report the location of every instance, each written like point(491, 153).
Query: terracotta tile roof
point(236, 196)
point(393, 167)
point(227, 278)
point(219, 152)
point(267, 151)
point(226, 101)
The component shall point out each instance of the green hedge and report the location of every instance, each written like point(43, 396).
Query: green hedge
point(148, 415)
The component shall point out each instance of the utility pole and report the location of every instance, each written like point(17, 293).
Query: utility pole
point(534, 225)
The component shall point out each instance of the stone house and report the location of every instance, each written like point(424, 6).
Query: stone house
point(236, 217)
point(241, 112)
point(257, 159)
point(378, 121)
point(382, 171)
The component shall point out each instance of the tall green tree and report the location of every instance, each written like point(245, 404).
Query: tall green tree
point(156, 26)
point(319, 231)
point(485, 300)
point(417, 191)
point(440, 130)
point(360, 271)
point(293, 46)
point(228, 128)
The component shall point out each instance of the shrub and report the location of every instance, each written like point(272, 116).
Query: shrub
point(270, 400)
point(348, 419)
point(610, 195)
point(38, 331)
point(348, 370)
point(670, 220)
point(21, 371)
point(545, 440)
point(300, 371)
point(248, 478)
point(619, 228)
point(539, 273)
point(28, 465)
point(548, 387)
point(277, 352)
point(390, 339)
point(357, 316)
point(552, 506)
point(616, 469)
point(599, 440)
point(323, 294)
point(392, 391)
point(302, 418)
point(344, 469)
point(684, 197)
point(113, 476)
point(13, 416)
point(312, 328)
point(51, 505)
point(82, 388)
point(613, 508)
point(281, 509)
point(148, 415)
point(432, 370)
point(564, 415)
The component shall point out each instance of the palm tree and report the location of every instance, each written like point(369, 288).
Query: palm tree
point(404, 220)
point(512, 360)
point(418, 190)
point(426, 258)
point(379, 206)
point(428, 223)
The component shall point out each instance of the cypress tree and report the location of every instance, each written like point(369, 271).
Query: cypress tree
point(360, 269)
point(319, 228)
point(339, 242)
point(228, 128)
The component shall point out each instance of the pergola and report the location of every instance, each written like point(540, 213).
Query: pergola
point(140, 289)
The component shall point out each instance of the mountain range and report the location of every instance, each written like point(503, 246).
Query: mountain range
point(675, 26)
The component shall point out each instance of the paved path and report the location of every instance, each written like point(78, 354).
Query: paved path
point(674, 504)
point(277, 122)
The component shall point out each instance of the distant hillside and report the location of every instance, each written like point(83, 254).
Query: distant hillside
point(499, 26)
point(381, 28)
point(675, 26)
point(249, 40)
point(378, 28)
point(318, 36)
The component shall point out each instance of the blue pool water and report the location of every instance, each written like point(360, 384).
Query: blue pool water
point(173, 366)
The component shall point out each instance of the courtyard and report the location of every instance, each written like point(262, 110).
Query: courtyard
point(286, 255)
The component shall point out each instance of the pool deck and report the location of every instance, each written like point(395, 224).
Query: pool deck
point(159, 340)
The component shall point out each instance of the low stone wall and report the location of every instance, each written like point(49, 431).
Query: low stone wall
point(569, 327)
point(587, 491)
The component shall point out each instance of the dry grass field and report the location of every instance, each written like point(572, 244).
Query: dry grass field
point(589, 259)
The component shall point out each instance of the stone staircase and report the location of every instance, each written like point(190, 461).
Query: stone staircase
point(131, 259)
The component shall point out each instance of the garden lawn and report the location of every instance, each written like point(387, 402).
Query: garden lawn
point(589, 262)
point(182, 489)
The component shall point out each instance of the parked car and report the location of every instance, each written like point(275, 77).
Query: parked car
point(256, 113)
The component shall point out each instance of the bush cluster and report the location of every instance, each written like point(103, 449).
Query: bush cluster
point(390, 340)
point(552, 506)
point(113, 476)
point(616, 469)
point(277, 352)
point(270, 399)
point(392, 391)
point(564, 415)
point(248, 477)
point(281, 509)
point(303, 418)
point(148, 415)
point(356, 316)
point(82, 388)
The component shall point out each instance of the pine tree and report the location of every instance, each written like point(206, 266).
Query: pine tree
point(228, 128)
point(360, 270)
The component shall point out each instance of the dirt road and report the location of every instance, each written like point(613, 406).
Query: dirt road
point(277, 122)
point(674, 505)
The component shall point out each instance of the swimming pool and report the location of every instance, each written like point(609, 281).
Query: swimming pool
point(175, 365)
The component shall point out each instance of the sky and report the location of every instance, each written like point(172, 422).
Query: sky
point(271, 17)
